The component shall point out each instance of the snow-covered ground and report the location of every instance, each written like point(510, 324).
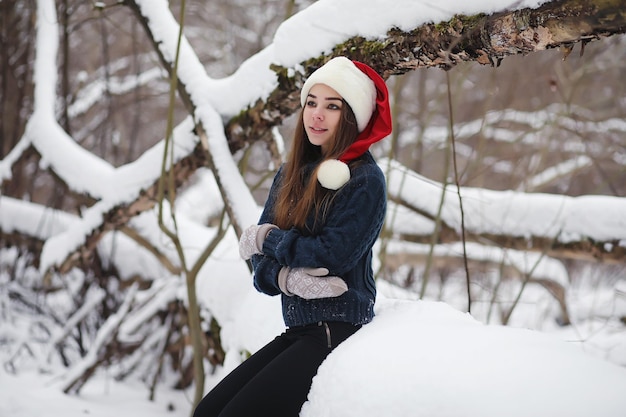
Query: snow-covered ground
point(417, 358)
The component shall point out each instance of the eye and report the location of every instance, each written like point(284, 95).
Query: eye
point(310, 103)
point(333, 106)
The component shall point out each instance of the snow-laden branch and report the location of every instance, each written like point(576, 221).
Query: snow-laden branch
point(525, 263)
point(96, 90)
point(252, 80)
point(121, 192)
point(159, 296)
point(34, 220)
point(399, 37)
point(326, 24)
point(93, 298)
point(205, 97)
point(555, 172)
point(557, 221)
point(79, 373)
point(530, 131)
point(132, 191)
point(43, 132)
point(44, 224)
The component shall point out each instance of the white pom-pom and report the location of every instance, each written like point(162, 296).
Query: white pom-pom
point(333, 174)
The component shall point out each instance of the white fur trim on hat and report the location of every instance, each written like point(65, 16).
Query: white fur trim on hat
point(333, 174)
point(356, 88)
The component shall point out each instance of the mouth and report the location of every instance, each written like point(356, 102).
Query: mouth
point(317, 129)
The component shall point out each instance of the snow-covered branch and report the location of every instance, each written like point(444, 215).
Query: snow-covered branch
point(587, 227)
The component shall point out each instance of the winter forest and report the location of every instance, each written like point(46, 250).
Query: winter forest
point(138, 138)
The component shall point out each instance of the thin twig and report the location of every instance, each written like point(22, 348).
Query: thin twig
point(458, 190)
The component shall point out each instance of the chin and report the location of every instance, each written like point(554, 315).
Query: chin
point(317, 142)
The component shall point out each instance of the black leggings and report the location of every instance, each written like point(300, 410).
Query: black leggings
point(275, 380)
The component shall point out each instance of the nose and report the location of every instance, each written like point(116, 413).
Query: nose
point(317, 114)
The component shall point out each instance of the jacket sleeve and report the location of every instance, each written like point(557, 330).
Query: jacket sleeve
point(266, 268)
point(352, 226)
point(266, 271)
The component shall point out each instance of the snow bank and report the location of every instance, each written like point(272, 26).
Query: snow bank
point(421, 358)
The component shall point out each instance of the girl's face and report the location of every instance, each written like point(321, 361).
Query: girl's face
point(321, 115)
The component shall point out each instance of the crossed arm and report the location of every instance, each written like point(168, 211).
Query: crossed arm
point(308, 283)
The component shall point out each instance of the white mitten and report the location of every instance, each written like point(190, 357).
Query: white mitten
point(251, 240)
point(310, 283)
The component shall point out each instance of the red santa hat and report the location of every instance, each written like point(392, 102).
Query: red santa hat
point(366, 93)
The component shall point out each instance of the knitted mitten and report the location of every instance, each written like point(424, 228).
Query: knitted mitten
point(310, 283)
point(251, 241)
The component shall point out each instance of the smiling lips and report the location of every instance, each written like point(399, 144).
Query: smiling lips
point(317, 129)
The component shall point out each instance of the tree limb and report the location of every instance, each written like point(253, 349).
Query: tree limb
point(485, 39)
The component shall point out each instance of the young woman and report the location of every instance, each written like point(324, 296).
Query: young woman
point(313, 243)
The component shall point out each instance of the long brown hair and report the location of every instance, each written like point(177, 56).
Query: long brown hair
point(299, 195)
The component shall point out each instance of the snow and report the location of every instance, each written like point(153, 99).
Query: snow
point(531, 264)
point(559, 217)
point(32, 395)
point(415, 358)
point(459, 367)
point(325, 23)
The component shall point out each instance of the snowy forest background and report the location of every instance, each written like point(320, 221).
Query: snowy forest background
point(99, 245)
